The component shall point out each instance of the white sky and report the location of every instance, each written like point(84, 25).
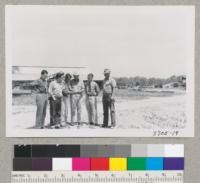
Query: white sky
point(151, 41)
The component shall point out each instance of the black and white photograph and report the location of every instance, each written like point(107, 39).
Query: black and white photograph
point(99, 71)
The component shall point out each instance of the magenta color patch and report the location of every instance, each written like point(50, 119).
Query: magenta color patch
point(79, 164)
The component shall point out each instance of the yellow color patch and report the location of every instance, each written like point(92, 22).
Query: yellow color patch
point(117, 164)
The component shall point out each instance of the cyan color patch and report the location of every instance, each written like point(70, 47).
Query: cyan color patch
point(154, 164)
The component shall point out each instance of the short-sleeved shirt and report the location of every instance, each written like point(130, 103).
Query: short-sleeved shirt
point(77, 86)
point(109, 85)
point(55, 89)
point(40, 85)
point(91, 88)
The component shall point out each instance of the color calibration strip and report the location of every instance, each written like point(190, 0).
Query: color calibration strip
point(97, 177)
point(138, 157)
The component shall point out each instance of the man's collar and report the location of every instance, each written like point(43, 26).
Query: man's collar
point(58, 82)
point(107, 78)
point(77, 80)
point(42, 78)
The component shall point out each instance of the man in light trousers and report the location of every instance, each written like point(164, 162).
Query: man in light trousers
point(66, 99)
point(41, 87)
point(77, 87)
point(92, 91)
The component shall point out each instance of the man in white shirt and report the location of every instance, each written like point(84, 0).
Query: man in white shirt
point(91, 91)
point(55, 92)
point(77, 87)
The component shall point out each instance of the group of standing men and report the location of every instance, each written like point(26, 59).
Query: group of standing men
point(65, 94)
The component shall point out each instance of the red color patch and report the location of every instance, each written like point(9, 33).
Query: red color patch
point(99, 163)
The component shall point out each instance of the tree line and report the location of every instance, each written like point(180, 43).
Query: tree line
point(143, 81)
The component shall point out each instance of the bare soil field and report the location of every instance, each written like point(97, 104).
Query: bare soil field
point(134, 109)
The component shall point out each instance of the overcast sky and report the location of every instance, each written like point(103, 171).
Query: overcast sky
point(146, 41)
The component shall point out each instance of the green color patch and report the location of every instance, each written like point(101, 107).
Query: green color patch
point(136, 163)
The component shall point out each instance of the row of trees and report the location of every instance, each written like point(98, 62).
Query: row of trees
point(143, 81)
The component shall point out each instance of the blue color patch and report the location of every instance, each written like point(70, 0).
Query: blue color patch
point(154, 164)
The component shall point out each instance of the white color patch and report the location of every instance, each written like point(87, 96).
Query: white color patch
point(176, 150)
point(62, 164)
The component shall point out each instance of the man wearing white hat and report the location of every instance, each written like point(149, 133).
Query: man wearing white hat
point(109, 85)
point(78, 88)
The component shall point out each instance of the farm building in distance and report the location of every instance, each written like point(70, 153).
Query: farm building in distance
point(22, 78)
point(180, 83)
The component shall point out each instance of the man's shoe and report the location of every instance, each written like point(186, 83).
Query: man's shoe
point(57, 126)
point(63, 124)
point(113, 125)
point(104, 126)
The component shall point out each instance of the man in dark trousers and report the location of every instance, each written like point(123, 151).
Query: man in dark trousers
point(41, 88)
point(109, 85)
point(55, 92)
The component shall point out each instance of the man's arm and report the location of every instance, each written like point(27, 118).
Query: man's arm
point(82, 87)
point(66, 91)
point(97, 89)
point(51, 90)
point(35, 85)
point(82, 90)
point(114, 85)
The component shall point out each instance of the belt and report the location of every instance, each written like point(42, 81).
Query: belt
point(75, 94)
point(42, 92)
point(91, 95)
point(107, 94)
point(51, 98)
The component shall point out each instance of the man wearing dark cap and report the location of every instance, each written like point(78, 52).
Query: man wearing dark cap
point(55, 92)
point(109, 85)
point(40, 87)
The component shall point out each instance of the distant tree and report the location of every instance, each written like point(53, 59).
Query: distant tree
point(151, 81)
point(143, 81)
point(122, 81)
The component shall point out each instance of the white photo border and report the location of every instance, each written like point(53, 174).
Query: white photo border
point(190, 93)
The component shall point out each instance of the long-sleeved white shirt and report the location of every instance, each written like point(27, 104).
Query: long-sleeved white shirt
point(55, 89)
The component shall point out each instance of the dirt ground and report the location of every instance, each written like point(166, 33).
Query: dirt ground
point(138, 110)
